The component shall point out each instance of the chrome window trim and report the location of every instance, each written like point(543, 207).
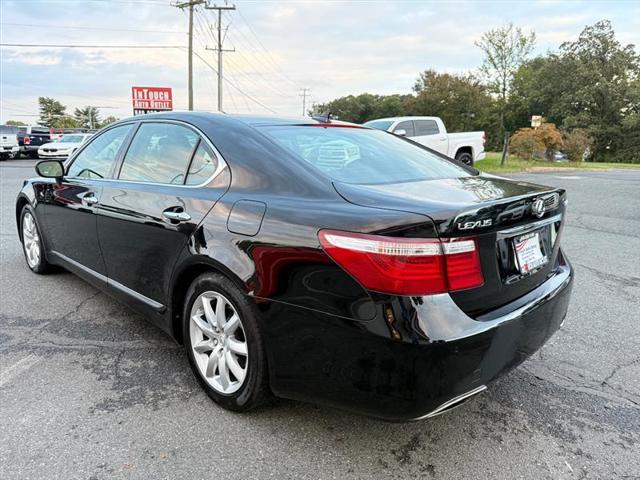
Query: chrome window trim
point(222, 163)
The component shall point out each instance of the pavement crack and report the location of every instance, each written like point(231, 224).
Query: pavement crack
point(79, 305)
point(615, 370)
point(620, 280)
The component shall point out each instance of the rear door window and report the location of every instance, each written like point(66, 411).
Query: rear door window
point(203, 165)
point(97, 158)
point(407, 126)
point(159, 153)
point(426, 127)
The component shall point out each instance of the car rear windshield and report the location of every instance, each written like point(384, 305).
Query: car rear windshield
point(379, 124)
point(362, 155)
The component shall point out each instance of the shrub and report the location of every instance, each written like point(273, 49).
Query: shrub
point(576, 143)
point(526, 143)
point(551, 138)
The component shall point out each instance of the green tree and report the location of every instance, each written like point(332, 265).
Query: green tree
point(67, 122)
point(364, 107)
point(461, 101)
point(505, 49)
point(51, 112)
point(87, 117)
point(15, 123)
point(108, 120)
point(604, 96)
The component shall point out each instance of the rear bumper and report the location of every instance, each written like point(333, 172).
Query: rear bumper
point(419, 357)
point(29, 148)
point(480, 156)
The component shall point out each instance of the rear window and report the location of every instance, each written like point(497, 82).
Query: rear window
point(362, 156)
point(379, 124)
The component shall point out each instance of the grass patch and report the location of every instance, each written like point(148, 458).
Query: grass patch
point(491, 164)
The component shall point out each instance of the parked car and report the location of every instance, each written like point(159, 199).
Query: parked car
point(63, 146)
point(30, 139)
point(8, 142)
point(559, 156)
point(466, 147)
point(397, 289)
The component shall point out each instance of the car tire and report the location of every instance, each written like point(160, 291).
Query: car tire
point(33, 154)
point(466, 158)
point(213, 348)
point(32, 243)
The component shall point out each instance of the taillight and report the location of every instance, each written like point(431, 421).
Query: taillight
point(405, 266)
point(484, 139)
point(27, 140)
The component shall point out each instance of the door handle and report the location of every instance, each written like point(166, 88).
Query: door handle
point(90, 199)
point(175, 215)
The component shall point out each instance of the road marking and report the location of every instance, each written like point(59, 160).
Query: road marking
point(17, 368)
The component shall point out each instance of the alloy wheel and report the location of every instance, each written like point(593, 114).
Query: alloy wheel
point(218, 342)
point(31, 240)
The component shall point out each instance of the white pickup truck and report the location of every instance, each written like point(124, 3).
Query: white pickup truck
point(467, 147)
point(8, 142)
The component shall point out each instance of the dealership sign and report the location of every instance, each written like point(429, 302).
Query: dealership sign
point(151, 99)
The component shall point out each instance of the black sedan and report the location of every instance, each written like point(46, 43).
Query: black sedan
point(308, 258)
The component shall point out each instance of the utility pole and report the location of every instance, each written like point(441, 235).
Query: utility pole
point(219, 48)
point(304, 94)
point(190, 4)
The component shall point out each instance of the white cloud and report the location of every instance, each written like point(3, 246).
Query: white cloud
point(335, 48)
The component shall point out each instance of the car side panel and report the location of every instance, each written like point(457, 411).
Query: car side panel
point(139, 245)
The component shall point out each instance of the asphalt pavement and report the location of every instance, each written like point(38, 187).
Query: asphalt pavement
point(90, 390)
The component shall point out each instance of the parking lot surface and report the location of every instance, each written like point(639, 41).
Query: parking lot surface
point(89, 390)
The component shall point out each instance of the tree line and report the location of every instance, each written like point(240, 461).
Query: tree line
point(53, 114)
point(588, 92)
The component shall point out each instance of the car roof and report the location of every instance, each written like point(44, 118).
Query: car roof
point(225, 118)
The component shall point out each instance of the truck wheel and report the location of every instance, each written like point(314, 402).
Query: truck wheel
point(465, 157)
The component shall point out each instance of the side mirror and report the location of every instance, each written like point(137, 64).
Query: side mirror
point(50, 169)
point(401, 132)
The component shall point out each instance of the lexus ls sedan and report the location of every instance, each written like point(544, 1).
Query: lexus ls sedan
point(308, 258)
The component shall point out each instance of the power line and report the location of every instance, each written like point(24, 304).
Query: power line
point(258, 102)
point(190, 4)
point(219, 45)
point(130, 2)
point(88, 27)
point(266, 50)
point(58, 45)
point(258, 57)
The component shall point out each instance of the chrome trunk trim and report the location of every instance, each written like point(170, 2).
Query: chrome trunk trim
point(455, 401)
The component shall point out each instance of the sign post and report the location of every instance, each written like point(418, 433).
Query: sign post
point(151, 99)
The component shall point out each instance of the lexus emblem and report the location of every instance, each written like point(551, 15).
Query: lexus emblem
point(537, 207)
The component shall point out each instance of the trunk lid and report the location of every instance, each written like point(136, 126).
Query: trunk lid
point(502, 214)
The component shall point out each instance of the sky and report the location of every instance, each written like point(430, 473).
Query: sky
point(333, 48)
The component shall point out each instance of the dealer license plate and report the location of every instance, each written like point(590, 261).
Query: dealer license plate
point(528, 252)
